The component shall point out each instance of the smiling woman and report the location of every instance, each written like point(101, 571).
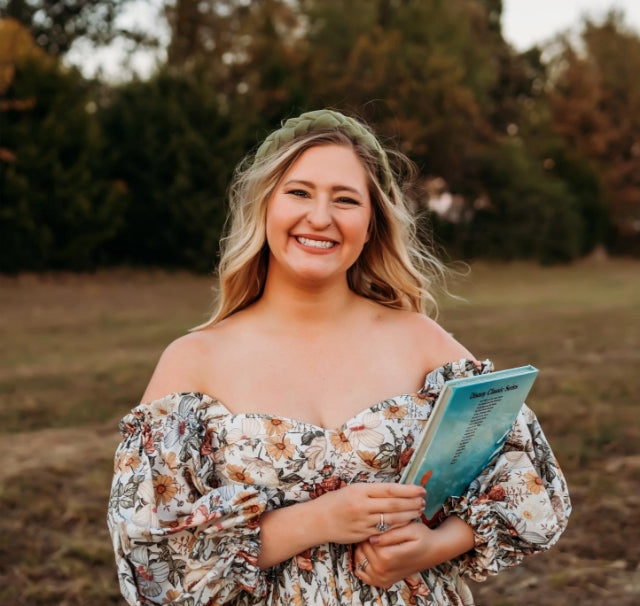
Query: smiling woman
point(263, 466)
point(318, 217)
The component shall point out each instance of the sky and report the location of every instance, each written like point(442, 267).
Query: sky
point(524, 23)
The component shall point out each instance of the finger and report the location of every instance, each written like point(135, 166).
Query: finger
point(394, 490)
point(388, 506)
point(362, 566)
point(395, 536)
point(383, 522)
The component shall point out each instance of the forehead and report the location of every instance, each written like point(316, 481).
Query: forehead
point(334, 163)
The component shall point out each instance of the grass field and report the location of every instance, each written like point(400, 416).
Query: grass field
point(77, 352)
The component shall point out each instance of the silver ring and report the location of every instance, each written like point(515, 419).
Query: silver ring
point(381, 526)
point(363, 565)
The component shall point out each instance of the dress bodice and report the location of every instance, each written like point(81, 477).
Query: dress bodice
point(192, 480)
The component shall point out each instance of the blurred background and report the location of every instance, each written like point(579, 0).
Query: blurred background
point(120, 124)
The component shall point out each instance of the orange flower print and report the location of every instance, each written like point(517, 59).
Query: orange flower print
point(364, 434)
point(395, 412)
point(147, 439)
point(340, 441)
point(415, 586)
point(239, 474)
point(534, 482)
point(206, 448)
point(332, 483)
point(369, 458)
point(422, 397)
point(278, 447)
point(497, 493)
point(276, 426)
point(127, 461)
point(405, 457)
point(165, 488)
point(346, 590)
point(171, 461)
point(303, 560)
point(161, 408)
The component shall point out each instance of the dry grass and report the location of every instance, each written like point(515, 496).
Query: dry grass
point(78, 351)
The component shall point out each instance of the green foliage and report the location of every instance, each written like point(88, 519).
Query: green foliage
point(582, 181)
point(596, 110)
point(544, 154)
point(171, 151)
point(412, 68)
point(54, 212)
point(524, 214)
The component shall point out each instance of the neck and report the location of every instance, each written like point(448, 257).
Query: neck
point(290, 303)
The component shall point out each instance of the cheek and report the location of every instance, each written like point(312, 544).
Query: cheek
point(277, 225)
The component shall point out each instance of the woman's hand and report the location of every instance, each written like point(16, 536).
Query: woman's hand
point(346, 515)
point(394, 555)
point(353, 513)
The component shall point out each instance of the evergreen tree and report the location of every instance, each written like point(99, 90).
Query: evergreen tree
point(54, 212)
point(172, 151)
point(596, 110)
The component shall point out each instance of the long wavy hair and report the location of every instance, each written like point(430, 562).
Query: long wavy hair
point(395, 268)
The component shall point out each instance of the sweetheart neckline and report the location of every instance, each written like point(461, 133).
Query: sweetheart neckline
point(265, 415)
point(292, 420)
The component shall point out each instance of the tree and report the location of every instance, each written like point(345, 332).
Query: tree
point(410, 68)
point(596, 110)
point(524, 213)
point(54, 212)
point(171, 150)
point(56, 24)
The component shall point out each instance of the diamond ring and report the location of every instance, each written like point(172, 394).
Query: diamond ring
point(381, 526)
point(363, 565)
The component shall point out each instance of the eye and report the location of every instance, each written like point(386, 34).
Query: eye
point(298, 193)
point(347, 201)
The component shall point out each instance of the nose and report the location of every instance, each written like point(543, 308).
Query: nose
point(319, 213)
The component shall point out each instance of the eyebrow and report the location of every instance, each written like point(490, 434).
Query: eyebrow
point(311, 185)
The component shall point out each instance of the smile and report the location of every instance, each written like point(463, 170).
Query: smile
point(315, 243)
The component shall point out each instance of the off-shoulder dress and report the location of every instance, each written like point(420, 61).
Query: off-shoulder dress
point(192, 479)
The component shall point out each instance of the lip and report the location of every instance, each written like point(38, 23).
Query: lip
point(315, 238)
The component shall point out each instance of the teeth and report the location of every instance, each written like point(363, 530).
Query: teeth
point(315, 243)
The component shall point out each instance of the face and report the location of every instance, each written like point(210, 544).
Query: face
point(318, 216)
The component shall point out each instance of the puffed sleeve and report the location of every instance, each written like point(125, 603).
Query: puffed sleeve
point(519, 505)
point(179, 537)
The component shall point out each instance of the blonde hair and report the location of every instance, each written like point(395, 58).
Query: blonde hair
point(394, 269)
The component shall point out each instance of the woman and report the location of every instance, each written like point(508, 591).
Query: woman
point(263, 466)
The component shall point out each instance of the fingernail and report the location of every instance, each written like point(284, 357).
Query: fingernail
point(374, 540)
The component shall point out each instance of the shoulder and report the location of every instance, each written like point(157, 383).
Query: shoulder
point(179, 368)
point(425, 339)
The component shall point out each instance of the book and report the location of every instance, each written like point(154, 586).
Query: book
point(468, 426)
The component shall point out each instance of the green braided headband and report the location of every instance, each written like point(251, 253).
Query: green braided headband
point(328, 120)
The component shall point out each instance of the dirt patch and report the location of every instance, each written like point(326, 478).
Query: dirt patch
point(56, 448)
point(78, 351)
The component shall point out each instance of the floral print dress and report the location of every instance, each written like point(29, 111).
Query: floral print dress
point(192, 479)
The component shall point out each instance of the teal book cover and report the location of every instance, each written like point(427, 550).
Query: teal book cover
point(468, 426)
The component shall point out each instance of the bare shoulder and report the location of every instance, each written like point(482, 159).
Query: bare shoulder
point(427, 340)
point(179, 368)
